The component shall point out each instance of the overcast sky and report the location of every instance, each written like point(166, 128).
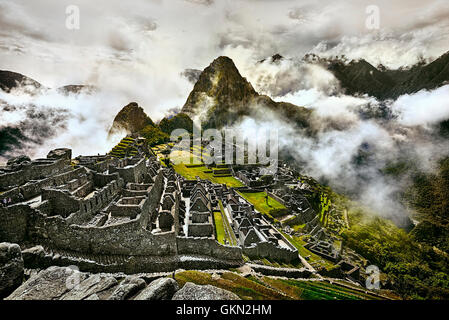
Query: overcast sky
point(137, 50)
point(140, 47)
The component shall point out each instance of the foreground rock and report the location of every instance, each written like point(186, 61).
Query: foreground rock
point(61, 153)
point(61, 283)
point(11, 268)
point(191, 291)
point(128, 287)
point(48, 284)
point(93, 288)
point(160, 289)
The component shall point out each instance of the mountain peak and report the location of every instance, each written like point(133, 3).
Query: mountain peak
point(10, 80)
point(221, 96)
point(131, 119)
point(219, 88)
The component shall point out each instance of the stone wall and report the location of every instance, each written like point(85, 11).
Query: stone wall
point(121, 239)
point(13, 223)
point(277, 198)
point(200, 229)
point(101, 180)
point(131, 172)
point(14, 194)
point(36, 170)
point(62, 202)
point(271, 251)
point(155, 195)
point(33, 189)
point(208, 247)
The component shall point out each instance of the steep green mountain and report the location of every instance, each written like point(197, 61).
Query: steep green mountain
point(179, 121)
point(360, 77)
point(221, 96)
point(131, 119)
point(429, 197)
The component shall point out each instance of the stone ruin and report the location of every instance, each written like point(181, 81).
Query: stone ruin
point(107, 214)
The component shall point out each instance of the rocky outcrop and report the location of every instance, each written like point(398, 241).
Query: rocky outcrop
point(160, 289)
point(130, 119)
point(63, 283)
point(191, 291)
point(49, 284)
point(220, 89)
point(128, 287)
point(221, 96)
point(61, 153)
point(94, 287)
point(11, 268)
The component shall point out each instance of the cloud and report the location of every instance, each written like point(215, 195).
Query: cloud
point(51, 119)
point(140, 54)
point(423, 108)
point(203, 2)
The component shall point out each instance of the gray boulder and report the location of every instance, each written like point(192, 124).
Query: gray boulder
point(191, 291)
point(18, 160)
point(11, 268)
point(49, 284)
point(61, 153)
point(95, 287)
point(160, 289)
point(128, 287)
point(33, 256)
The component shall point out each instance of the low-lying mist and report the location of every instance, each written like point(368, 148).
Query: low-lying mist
point(34, 123)
point(355, 138)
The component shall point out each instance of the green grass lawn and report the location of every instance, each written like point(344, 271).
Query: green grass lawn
point(193, 172)
point(273, 209)
point(316, 290)
point(267, 288)
point(219, 228)
point(244, 288)
point(303, 252)
point(229, 235)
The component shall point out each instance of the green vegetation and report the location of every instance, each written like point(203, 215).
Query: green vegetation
point(126, 147)
point(244, 288)
point(414, 269)
point(193, 172)
point(272, 209)
point(154, 135)
point(179, 121)
point(219, 228)
point(429, 196)
point(278, 264)
point(190, 165)
point(229, 233)
point(267, 288)
point(315, 260)
point(316, 290)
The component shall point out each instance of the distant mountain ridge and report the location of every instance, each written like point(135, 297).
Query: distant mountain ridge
point(360, 77)
point(10, 80)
